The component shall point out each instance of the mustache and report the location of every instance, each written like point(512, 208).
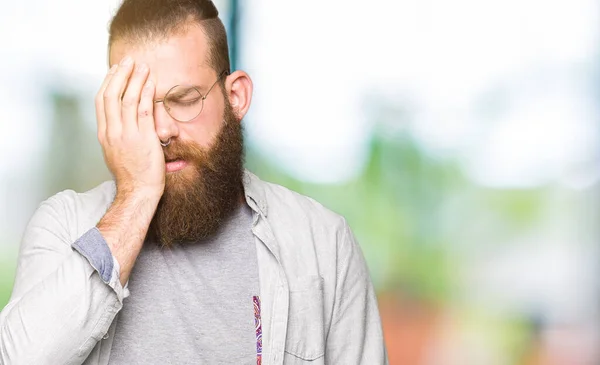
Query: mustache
point(191, 151)
point(184, 150)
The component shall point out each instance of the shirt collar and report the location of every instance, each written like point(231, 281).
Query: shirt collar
point(255, 193)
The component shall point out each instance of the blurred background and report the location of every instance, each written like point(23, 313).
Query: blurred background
point(460, 139)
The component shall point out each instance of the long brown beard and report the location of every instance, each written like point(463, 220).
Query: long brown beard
point(198, 199)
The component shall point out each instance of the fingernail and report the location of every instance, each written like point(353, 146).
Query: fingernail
point(113, 69)
point(148, 85)
point(127, 61)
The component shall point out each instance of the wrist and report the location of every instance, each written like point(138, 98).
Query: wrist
point(139, 194)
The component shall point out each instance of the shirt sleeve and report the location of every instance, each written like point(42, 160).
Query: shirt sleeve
point(66, 294)
point(356, 335)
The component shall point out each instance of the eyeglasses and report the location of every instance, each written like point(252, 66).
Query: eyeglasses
point(185, 103)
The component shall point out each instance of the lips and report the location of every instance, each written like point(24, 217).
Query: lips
point(175, 165)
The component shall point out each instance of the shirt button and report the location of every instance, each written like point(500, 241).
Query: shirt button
point(105, 336)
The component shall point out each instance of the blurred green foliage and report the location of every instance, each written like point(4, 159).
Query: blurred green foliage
point(8, 264)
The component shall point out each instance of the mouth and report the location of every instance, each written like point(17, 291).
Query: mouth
point(172, 159)
point(175, 164)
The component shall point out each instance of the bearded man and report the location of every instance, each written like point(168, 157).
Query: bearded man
point(184, 257)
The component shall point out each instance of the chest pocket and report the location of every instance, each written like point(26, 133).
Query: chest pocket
point(305, 340)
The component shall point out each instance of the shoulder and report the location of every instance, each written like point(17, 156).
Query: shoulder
point(78, 211)
point(307, 234)
point(85, 202)
point(301, 210)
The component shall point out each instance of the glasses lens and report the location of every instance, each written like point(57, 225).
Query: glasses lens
point(184, 103)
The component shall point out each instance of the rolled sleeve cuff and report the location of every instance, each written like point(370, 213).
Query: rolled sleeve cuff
point(94, 248)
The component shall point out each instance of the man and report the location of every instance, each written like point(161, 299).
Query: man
point(185, 258)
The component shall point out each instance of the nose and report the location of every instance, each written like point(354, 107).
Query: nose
point(166, 126)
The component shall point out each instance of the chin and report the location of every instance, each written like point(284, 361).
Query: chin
point(183, 178)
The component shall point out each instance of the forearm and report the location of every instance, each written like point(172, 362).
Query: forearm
point(60, 319)
point(124, 227)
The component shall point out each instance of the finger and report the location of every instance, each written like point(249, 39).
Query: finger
point(112, 98)
point(131, 98)
point(146, 109)
point(100, 115)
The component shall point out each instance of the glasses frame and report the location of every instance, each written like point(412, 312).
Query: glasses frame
point(202, 97)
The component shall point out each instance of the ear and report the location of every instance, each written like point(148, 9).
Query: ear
point(239, 88)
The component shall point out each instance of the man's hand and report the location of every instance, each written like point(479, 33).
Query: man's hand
point(124, 110)
point(132, 151)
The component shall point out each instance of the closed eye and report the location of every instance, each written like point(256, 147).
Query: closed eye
point(184, 102)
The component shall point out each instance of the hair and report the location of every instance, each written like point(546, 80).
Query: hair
point(140, 21)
